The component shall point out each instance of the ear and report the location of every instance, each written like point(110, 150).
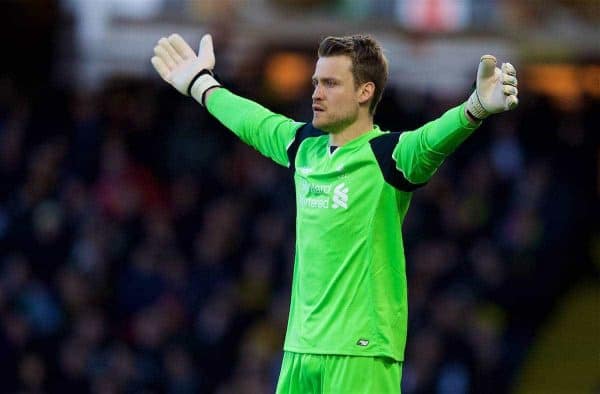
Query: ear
point(366, 92)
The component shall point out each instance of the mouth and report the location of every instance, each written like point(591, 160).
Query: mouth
point(318, 108)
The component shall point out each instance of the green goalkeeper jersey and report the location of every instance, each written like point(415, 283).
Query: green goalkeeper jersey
point(349, 289)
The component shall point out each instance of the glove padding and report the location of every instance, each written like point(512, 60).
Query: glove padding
point(178, 65)
point(496, 89)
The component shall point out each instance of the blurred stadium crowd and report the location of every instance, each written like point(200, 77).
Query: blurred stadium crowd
point(144, 249)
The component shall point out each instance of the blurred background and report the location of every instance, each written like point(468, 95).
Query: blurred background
point(143, 249)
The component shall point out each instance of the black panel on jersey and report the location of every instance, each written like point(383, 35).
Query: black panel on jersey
point(302, 133)
point(382, 147)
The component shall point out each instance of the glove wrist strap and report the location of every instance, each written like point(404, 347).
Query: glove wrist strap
point(200, 84)
point(475, 108)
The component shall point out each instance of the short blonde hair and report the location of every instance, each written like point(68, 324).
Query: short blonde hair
point(368, 61)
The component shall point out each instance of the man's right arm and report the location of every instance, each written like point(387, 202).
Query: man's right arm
point(269, 133)
point(191, 74)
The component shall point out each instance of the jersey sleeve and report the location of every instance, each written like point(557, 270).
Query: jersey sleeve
point(269, 133)
point(419, 153)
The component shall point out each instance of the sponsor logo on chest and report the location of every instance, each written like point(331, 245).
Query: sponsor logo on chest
point(323, 196)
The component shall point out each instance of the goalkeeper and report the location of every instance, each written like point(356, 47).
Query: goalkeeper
point(348, 315)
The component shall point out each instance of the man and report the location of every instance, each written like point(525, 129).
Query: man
point(348, 314)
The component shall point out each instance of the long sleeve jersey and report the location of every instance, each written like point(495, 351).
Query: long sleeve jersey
point(349, 287)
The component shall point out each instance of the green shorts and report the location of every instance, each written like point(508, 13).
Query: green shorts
point(328, 374)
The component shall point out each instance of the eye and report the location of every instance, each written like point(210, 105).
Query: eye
point(329, 83)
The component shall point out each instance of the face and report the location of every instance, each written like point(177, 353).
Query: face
point(336, 100)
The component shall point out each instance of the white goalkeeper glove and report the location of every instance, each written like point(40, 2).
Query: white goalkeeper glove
point(178, 65)
point(496, 89)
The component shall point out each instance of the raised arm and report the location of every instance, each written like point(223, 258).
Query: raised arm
point(269, 133)
point(419, 153)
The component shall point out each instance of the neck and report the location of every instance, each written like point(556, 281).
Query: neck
point(352, 131)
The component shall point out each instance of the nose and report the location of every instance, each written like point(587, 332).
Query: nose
point(317, 93)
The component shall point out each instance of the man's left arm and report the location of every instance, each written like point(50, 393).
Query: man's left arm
point(419, 153)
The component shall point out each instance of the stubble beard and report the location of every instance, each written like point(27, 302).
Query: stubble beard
point(336, 124)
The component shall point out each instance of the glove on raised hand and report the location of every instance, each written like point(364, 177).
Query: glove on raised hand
point(496, 89)
point(187, 72)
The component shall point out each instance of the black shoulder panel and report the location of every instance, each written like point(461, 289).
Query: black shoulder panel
point(382, 147)
point(302, 133)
